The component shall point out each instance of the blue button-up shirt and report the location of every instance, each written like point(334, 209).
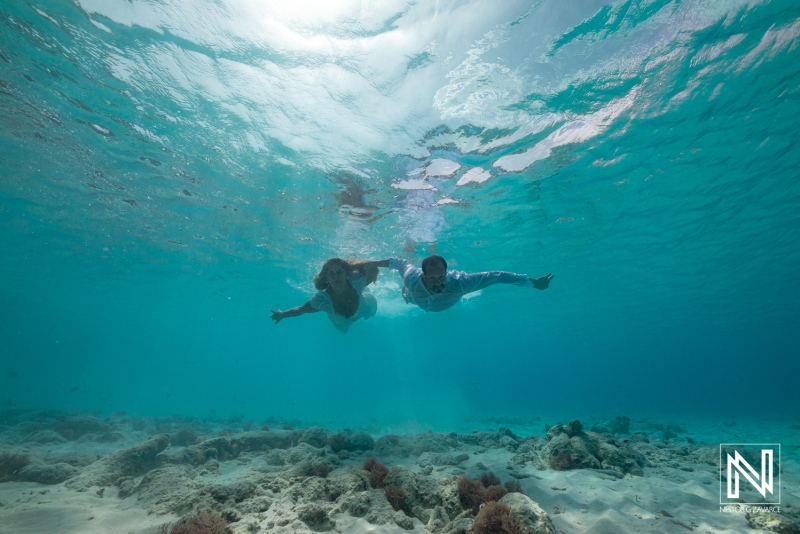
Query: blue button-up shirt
point(458, 284)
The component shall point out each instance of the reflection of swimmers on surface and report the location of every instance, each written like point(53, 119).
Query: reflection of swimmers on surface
point(341, 292)
point(434, 288)
point(350, 198)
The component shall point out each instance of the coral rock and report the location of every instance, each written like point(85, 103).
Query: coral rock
point(579, 448)
point(72, 428)
point(438, 519)
point(315, 436)
point(47, 473)
point(316, 517)
point(135, 461)
point(528, 514)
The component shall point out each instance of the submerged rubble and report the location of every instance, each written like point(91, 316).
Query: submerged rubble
point(312, 480)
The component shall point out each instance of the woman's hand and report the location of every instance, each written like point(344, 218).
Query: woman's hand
point(277, 315)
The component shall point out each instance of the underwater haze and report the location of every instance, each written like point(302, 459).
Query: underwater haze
point(172, 171)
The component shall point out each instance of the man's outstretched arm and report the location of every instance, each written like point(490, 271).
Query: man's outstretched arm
point(404, 267)
point(475, 281)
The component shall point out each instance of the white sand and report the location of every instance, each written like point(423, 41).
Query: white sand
point(31, 508)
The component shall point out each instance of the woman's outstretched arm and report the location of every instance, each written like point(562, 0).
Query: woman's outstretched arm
point(377, 263)
point(277, 315)
point(369, 268)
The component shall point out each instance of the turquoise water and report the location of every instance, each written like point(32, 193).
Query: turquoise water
point(172, 171)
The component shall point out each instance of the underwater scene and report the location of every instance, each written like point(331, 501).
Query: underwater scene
point(556, 245)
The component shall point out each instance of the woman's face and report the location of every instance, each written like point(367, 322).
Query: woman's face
point(337, 275)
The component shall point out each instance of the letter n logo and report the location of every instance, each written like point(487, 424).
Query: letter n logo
point(737, 473)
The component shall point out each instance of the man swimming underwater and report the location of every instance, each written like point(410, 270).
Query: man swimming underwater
point(434, 288)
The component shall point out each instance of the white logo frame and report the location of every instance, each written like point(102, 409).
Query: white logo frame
point(725, 469)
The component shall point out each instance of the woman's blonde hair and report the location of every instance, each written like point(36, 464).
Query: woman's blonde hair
point(370, 272)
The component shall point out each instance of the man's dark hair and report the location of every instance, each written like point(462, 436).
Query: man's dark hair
point(432, 259)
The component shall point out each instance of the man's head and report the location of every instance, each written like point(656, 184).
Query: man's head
point(434, 274)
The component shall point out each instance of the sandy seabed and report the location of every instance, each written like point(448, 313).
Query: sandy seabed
point(81, 473)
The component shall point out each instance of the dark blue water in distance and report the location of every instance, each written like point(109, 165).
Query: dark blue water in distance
point(172, 171)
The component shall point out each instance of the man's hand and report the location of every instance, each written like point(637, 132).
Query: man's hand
point(277, 315)
point(542, 282)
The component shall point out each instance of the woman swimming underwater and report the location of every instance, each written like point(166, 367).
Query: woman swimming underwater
point(341, 292)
